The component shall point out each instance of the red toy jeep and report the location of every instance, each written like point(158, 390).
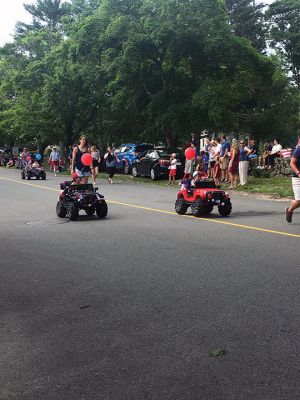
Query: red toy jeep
point(202, 198)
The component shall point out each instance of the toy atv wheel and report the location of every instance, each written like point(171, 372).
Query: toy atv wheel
point(72, 212)
point(101, 209)
point(61, 210)
point(198, 208)
point(134, 172)
point(90, 211)
point(43, 176)
point(209, 209)
point(181, 206)
point(226, 209)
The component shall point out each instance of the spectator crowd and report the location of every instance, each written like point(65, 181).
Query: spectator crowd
point(228, 162)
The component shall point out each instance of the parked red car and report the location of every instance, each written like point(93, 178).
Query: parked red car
point(202, 199)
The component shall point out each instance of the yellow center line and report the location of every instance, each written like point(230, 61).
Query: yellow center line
point(157, 210)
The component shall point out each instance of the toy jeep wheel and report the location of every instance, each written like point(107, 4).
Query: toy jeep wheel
point(72, 212)
point(181, 206)
point(101, 209)
point(198, 208)
point(226, 209)
point(43, 176)
point(22, 175)
point(90, 211)
point(27, 176)
point(61, 210)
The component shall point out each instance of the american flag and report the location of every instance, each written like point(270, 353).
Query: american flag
point(286, 153)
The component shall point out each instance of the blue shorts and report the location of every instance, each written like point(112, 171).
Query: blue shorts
point(81, 174)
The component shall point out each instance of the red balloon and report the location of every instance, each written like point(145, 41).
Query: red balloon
point(28, 158)
point(87, 159)
point(190, 153)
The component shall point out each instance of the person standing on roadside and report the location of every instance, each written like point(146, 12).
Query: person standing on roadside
point(54, 159)
point(244, 163)
point(234, 164)
point(111, 163)
point(224, 158)
point(295, 166)
point(83, 171)
point(211, 158)
point(172, 169)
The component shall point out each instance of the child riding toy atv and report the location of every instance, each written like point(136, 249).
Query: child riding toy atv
point(76, 197)
point(202, 198)
point(34, 170)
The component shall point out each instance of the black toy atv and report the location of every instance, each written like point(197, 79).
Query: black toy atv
point(74, 198)
point(29, 172)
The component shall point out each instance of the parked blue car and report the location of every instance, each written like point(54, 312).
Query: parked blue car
point(127, 153)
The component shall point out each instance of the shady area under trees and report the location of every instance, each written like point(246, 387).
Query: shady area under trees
point(150, 70)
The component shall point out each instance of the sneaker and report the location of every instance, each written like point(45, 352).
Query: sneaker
point(288, 215)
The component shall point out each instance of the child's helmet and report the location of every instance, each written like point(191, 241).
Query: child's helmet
point(75, 175)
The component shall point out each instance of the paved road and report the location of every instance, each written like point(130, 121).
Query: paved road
point(130, 307)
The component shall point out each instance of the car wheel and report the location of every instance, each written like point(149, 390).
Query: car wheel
point(72, 212)
point(134, 172)
point(101, 209)
point(90, 211)
point(126, 169)
point(61, 210)
point(181, 206)
point(226, 209)
point(198, 208)
point(153, 174)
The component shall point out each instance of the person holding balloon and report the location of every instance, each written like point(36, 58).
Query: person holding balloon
point(24, 158)
point(189, 162)
point(82, 160)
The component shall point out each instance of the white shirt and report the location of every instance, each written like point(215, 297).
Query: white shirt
point(218, 149)
point(276, 148)
point(173, 164)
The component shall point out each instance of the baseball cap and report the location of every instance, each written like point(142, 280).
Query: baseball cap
point(196, 173)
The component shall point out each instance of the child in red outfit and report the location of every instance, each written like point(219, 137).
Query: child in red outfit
point(172, 169)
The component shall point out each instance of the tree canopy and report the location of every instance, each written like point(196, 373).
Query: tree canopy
point(152, 70)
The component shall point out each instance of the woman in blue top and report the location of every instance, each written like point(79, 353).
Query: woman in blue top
point(76, 166)
point(244, 163)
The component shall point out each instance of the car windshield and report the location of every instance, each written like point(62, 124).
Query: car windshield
point(168, 151)
point(142, 147)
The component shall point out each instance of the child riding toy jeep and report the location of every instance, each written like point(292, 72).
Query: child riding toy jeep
point(202, 198)
point(76, 197)
point(33, 170)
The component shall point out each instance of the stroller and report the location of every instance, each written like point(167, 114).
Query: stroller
point(30, 171)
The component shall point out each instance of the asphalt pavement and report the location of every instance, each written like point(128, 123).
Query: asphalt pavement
point(130, 307)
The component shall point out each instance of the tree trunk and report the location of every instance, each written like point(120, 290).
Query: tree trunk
point(69, 134)
point(171, 140)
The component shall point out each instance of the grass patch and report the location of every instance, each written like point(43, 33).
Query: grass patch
point(280, 186)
